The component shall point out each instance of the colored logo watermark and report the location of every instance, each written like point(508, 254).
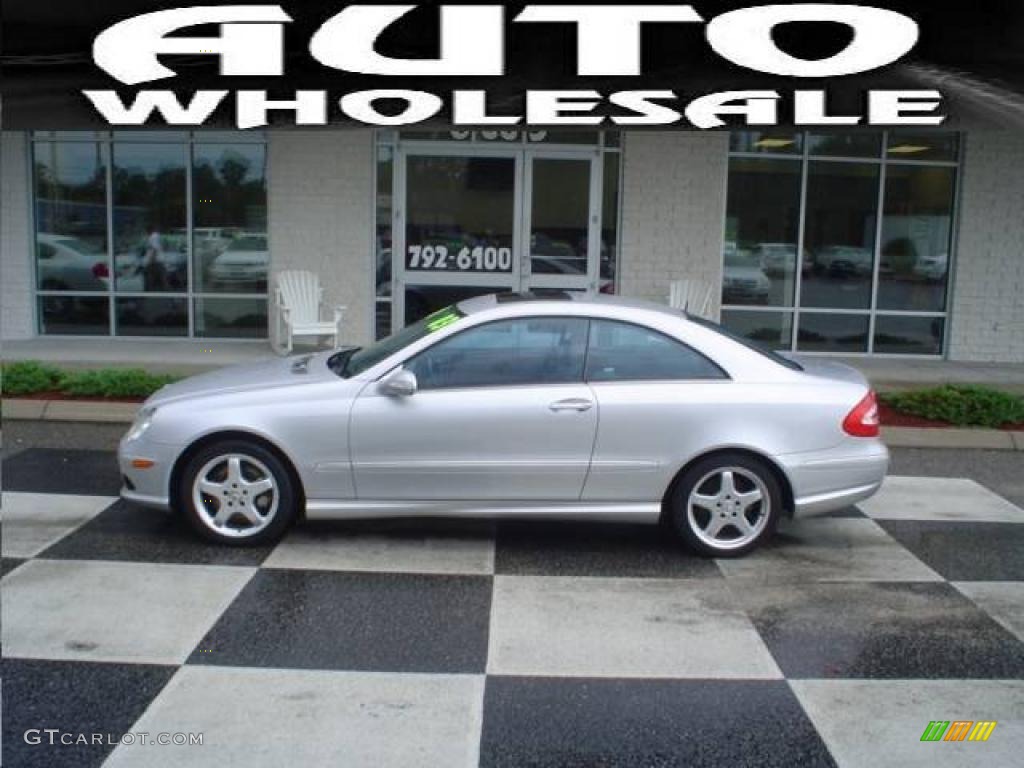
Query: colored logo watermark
point(958, 730)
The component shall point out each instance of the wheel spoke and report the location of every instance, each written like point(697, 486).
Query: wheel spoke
point(749, 498)
point(728, 484)
point(704, 500)
point(250, 513)
point(714, 526)
point(211, 488)
point(234, 470)
point(256, 487)
point(743, 524)
point(223, 515)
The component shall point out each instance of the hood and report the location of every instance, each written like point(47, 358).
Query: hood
point(247, 377)
point(830, 369)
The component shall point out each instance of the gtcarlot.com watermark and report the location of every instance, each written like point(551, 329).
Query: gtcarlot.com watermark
point(57, 737)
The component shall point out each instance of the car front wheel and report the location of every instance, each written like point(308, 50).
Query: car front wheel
point(725, 505)
point(238, 493)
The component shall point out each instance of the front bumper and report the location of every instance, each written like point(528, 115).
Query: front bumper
point(824, 481)
point(150, 486)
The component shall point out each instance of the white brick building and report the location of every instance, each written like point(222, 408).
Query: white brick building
point(862, 243)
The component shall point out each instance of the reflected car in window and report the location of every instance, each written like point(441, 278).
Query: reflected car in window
point(844, 260)
point(67, 263)
point(516, 406)
point(743, 278)
point(243, 263)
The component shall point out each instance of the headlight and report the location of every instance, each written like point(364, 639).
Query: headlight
point(141, 423)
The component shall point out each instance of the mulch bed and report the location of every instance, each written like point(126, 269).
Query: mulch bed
point(894, 418)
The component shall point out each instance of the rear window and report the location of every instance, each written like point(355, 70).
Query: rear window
point(770, 354)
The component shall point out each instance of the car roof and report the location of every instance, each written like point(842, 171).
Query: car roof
point(549, 301)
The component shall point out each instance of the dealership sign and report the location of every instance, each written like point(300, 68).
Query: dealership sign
point(250, 43)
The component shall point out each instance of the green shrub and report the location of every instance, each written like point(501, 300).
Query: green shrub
point(962, 405)
point(113, 382)
point(29, 377)
point(26, 378)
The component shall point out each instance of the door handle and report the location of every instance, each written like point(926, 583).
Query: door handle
point(572, 404)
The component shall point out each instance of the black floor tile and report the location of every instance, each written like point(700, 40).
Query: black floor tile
point(964, 551)
point(594, 549)
point(76, 698)
point(125, 531)
point(49, 470)
point(365, 621)
point(881, 630)
point(8, 564)
point(581, 723)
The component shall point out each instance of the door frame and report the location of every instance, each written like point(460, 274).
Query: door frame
point(519, 279)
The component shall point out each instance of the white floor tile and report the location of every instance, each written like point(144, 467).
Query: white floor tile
point(622, 628)
point(829, 549)
point(395, 553)
point(871, 723)
point(34, 521)
point(1002, 600)
point(939, 498)
point(282, 717)
point(100, 611)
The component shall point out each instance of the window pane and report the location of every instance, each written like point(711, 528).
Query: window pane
point(772, 142)
point(609, 222)
point(916, 229)
point(460, 214)
point(559, 216)
point(761, 225)
point(231, 318)
point(151, 317)
point(385, 169)
point(382, 320)
point(832, 333)
point(623, 352)
point(845, 144)
point(908, 335)
point(534, 350)
point(923, 146)
point(230, 211)
point(71, 216)
point(772, 330)
point(150, 235)
point(842, 203)
point(75, 315)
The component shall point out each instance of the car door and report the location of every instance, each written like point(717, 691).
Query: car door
point(500, 412)
point(659, 400)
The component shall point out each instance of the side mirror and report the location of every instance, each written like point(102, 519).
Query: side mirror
point(401, 383)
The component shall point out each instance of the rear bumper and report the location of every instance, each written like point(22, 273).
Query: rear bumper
point(830, 480)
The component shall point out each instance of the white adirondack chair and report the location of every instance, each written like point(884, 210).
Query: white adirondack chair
point(299, 296)
point(693, 296)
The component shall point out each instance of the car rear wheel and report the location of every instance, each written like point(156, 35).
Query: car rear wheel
point(725, 505)
point(238, 493)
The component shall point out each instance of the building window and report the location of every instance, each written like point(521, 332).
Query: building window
point(151, 233)
point(840, 242)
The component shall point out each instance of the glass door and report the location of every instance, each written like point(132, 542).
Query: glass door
point(561, 221)
point(458, 233)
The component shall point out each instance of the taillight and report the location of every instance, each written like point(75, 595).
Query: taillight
point(99, 269)
point(862, 421)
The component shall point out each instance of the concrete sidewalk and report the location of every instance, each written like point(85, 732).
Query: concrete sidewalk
point(896, 437)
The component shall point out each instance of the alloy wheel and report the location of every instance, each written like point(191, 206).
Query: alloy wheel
point(235, 495)
point(728, 508)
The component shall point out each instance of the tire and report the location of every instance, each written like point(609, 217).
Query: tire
point(231, 474)
point(706, 513)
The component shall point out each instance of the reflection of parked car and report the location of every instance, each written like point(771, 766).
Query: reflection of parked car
point(744, 281)
point(932, 267)
point(844, 260)
point(779, 258)
point(130, 265)
point(69, 264)
point(245, 261)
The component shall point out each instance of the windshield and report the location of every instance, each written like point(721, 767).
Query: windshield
point(791, 364)
point(741, 259)
point(248, 244)
point(353, 362)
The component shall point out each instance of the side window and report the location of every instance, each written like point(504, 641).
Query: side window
point(625, 352)
point(534, 350)
point(46, 251)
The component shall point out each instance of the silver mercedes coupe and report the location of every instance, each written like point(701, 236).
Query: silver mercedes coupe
point(516, 405)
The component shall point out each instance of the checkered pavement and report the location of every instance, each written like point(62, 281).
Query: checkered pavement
point(452, 643)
